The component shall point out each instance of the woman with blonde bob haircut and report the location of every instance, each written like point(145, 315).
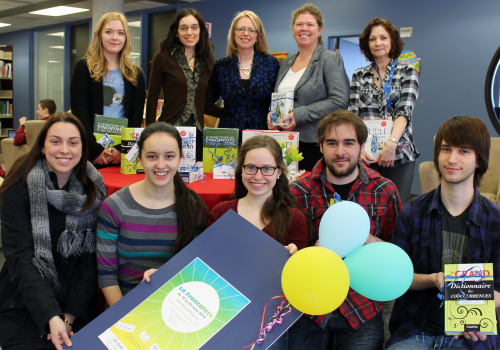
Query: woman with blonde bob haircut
point(107, 82)
point(245, 77)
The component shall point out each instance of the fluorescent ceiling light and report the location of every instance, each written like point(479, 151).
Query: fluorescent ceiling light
point(5, 24)
point(59, 11)
point(54, 61)
point(61, 34)
point(57, 47)
point(135, 24)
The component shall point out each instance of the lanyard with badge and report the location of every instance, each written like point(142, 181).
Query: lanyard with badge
point(387, 88)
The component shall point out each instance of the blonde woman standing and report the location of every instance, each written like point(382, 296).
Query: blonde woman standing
point(107, 82)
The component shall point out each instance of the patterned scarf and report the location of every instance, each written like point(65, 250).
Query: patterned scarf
point(79, 234)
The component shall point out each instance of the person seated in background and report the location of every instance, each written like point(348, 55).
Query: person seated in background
point(452, 224)
point(340, 175)
point(44, 110)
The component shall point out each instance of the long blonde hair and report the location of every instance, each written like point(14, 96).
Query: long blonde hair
point(260, 45)
point(96, 62)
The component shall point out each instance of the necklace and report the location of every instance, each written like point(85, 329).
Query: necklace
point(246, 70)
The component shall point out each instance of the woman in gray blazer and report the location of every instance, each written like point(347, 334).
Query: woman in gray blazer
point(318, 80)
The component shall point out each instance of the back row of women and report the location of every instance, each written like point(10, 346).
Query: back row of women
point(107, 82)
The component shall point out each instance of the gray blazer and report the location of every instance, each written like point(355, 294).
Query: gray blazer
point(322, 89)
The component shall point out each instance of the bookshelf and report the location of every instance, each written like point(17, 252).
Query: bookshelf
point(6, 91)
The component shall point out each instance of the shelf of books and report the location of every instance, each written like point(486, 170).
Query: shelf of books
point(6, 91)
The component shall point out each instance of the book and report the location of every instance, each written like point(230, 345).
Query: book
point(244, 280)
point(220, 151)
point(188, 135)
point(379, 131)
point(469, 303)
point(129, 163)
point(290, 138)
point(108, 130)
point(281, 106)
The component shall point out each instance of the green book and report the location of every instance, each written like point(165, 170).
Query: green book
point(220, 150)
point(469, 304)
point(108, 130)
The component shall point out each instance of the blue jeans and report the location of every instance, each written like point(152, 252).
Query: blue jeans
point(436, 342)
point(305, 334)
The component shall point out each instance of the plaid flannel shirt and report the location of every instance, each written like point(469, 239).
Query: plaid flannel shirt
point(418, 233)
point(373, 192)
point(368, 101)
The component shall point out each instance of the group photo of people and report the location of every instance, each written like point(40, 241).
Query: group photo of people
point(73, 250)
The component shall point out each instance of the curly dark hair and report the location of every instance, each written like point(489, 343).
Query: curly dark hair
point(204, 49)
point(397, 43)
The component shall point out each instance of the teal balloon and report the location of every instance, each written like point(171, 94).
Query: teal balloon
point(380, 271)
point(344, 227)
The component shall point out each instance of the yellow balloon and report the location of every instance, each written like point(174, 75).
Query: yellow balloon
point(315, 280)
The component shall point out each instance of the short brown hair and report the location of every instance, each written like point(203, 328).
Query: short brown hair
point(260, 45)
point(313, 10)
point(342, 117)
point(49, 104)
point(465, 132)
point(397, 43)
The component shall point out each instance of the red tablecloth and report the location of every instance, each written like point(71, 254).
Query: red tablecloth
point(212, 191)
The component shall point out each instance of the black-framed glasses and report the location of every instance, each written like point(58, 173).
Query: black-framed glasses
point(265, 170)
point(242, 30)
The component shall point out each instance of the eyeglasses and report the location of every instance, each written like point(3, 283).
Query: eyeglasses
point(242, 30)
point(265, 170)
point(194, 27)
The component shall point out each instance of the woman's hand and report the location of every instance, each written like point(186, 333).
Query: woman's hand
point(365, 158)
point(269, 123)
point(292, 248)
point(147, 275)
point(387, 154)
point(101, 159)
point(113, 156)
point(59, 333)
point(290, 118)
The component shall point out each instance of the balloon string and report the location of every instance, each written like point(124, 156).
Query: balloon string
point(277, 318)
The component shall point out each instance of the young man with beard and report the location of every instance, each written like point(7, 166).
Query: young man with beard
point(450, 225)
point(339, 175)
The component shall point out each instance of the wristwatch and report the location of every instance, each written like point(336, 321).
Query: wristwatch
point(393, 139)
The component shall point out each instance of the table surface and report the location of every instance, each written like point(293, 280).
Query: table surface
point(212, 191)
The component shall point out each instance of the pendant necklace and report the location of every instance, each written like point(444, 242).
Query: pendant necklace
point(246, 70)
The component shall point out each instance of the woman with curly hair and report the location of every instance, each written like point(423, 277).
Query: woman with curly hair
point(387, 89)
point(182, 67)
point(107, 82)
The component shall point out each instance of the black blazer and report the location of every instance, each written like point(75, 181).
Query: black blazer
point(87, 100)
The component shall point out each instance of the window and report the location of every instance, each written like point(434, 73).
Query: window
point(49, 66)
point(134, 24)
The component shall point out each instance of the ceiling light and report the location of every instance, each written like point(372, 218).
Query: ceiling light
point(5, 24)
point(59, 11)
point(135, 24)
point(60, 34)
point(57, 47)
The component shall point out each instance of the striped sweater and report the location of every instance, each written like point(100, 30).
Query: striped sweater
point(132, 239)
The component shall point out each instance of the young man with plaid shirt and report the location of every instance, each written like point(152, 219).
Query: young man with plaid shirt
point(358, 323)
point(452, 224)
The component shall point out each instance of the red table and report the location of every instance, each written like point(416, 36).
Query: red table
point(212, 191)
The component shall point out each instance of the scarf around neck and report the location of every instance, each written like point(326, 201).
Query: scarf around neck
point(78, 236)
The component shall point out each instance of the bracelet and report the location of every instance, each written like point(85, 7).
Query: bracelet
point(69, 323)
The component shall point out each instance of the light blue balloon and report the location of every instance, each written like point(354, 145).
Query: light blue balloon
point(344, 227)
point(380, 271)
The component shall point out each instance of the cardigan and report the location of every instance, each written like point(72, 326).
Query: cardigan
point(87, 100)
point(245, 108)
point(297, 232)
point(28, 301)
point(167, 74)
point(322, 89)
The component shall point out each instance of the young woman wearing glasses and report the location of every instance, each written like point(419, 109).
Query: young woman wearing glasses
point(262, 196)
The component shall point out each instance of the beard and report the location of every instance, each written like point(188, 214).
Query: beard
point(343, 172)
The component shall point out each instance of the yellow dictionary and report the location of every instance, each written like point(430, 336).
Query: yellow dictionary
point(469, 304)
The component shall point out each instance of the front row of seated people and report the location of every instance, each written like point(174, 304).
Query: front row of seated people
point(51, 197)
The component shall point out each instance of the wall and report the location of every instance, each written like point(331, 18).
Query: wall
point(455, 40)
